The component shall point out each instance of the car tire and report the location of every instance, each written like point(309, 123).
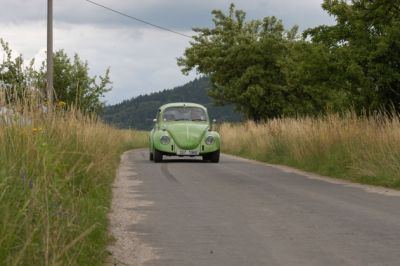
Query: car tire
point(214, 157)
point(157, 156)
point(151, 157)
point(206, 157)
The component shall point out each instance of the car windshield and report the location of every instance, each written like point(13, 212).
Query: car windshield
point(184, 113)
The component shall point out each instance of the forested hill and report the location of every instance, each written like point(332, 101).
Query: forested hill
point(139, 112)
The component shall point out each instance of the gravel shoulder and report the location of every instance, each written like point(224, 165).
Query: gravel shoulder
point(127, 249)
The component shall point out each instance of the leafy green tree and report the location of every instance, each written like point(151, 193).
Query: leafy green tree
point(74, 86)
point(366, 44)
point(311, 80)
point(249, 64)
point(72, 82)
point(14, 76)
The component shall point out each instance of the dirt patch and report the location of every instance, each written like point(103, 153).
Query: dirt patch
point(127, 249)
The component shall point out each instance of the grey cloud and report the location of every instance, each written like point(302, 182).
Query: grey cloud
point(176, 14)
point(142, 59)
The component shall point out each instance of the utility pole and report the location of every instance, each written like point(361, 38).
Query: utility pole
point(50, 54)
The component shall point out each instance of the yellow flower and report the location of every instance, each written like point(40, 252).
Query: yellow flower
point(61, 104)
point(36, 129)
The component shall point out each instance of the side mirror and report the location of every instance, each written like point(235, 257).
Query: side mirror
point(212, 124)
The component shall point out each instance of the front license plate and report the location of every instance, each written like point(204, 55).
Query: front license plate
point(187, 152)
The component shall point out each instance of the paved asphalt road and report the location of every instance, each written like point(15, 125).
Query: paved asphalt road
point(240, 212)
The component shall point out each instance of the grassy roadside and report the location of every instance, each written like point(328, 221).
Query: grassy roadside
point(56, 173)
point(359, 149)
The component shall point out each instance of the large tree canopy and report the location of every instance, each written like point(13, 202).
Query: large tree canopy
point(243, 60)
point(366, 42)
point(258, 66)
point(267, 71)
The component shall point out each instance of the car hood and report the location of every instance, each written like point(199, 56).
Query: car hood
point(187, 135)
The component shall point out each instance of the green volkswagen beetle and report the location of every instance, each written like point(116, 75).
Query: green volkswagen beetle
point(183, 129)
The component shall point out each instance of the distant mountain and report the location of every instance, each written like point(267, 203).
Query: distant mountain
point(139, 112)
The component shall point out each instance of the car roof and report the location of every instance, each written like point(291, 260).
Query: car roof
point(181, 104)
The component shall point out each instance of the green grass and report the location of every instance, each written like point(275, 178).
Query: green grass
point(359, 149)
point(55, 187)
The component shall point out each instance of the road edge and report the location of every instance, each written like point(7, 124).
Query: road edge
point(332, 180)
point(127, 248)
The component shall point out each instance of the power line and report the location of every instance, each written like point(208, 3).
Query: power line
point(140, 20)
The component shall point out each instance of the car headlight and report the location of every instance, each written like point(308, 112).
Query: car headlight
point(164, 140)
point(210, 140)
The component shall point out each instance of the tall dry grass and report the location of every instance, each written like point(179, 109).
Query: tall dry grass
point(56, 171)
point(362, 149)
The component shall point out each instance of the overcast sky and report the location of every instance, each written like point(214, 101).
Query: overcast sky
point(142, 59)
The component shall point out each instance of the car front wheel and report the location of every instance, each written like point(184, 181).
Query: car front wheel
point(213, 157)
point(206, 157)
point(157, 156)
